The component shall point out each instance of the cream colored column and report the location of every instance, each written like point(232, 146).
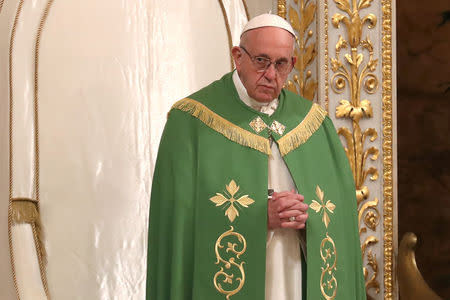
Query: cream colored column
point(7, 13)
point(355, 73)
point(27, 255)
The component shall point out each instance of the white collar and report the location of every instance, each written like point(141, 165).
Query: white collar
point(267, 108)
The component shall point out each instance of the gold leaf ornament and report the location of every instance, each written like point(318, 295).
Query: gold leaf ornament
point(294, 19)
point(347, 109)
point(341, 44)
point(309, 54)
point(325, 219)
point(364, 4)
point(359, 59)
point(317, 207)
point(344, 109)
point(310, 89)
point(330, 206)
point(231, 212)
point(335, 64)
point(220, 199)
point(343, 5)
point(337, 19)
point(308, 15)
point(245, 201)
point(232, 188)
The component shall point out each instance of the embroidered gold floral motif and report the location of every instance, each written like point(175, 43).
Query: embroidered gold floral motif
point(220, 199)
point(325, 206)
point(277, 127)
point(328, 283)
point(258, 124)
point(328, 253)
point(230, 285)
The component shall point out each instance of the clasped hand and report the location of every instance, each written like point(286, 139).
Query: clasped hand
point(282, 207)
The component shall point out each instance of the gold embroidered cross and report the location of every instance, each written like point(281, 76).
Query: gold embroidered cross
point(259, 125)
point(231, 212)
point(316, 206)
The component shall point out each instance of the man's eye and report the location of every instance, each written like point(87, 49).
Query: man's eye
point(281, 63)
point(260, 59)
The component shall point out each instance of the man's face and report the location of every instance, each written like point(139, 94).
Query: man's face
point(273, 43)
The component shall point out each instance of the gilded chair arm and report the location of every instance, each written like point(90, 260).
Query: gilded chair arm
point(411, 283)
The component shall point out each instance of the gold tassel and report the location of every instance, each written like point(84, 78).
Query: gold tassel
point(223, 126)
point(303, 131)
point(25, 211)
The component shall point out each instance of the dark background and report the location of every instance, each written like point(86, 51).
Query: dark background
point(423, 103)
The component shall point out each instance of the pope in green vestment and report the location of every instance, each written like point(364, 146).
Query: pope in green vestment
point(208, 216)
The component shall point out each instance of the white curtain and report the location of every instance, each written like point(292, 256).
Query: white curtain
point(108, 73)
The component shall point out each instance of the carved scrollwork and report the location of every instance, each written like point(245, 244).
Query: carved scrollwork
point(353, 66)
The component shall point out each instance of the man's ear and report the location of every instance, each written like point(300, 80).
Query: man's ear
point(236, 52)
point(294, 60)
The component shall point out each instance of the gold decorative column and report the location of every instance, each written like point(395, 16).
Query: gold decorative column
point(345, 63)
point(353, 65)
point(302, 16)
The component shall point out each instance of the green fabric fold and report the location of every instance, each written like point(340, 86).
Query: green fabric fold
point(208, 186)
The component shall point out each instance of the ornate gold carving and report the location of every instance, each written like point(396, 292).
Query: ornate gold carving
point(231, 212)
point(258, 124)
point(388, 185)
point(358, 73)
point(411, 283)
point(306, 51)
point(282, 8)
point(328, 282)
point(226, 128)
point(324, 206)
point(325, 68)
point(328, 253)
point(231, 264)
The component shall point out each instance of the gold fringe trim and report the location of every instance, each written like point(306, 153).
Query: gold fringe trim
point(300, 134)
point(25, 211)
point(223, 126)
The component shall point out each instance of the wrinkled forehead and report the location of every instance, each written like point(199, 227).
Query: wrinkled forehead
point(268, 39)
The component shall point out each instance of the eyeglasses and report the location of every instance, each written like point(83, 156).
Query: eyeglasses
point(262, 63)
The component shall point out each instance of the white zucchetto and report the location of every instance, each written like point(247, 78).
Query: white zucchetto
point(268, 20)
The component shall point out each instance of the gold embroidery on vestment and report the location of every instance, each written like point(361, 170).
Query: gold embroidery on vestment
point(258, 124)
point(221, 125)
point(325, 206)
point(328, 253)
point(231, 212)
point(300, 134)
point(277, 127)
point(329, 258)
point(231, 265)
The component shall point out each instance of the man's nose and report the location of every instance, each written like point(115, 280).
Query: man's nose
point(270, 72)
